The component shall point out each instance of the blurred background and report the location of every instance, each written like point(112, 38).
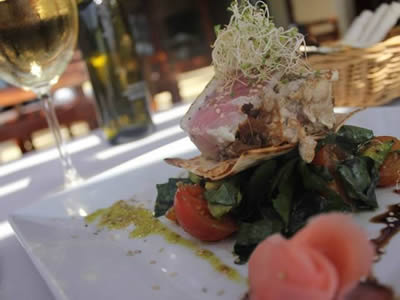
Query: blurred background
point(172, 39)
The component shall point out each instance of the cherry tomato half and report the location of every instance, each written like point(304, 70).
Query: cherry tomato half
point(192, 213)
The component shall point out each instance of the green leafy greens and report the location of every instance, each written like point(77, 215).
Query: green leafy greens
point(280, 195)
point(251, 234)
point(223, 199)
point(359, 177)
point(166, 194)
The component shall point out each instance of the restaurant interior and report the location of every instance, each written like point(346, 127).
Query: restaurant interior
point(123, 107)
point(173, 41)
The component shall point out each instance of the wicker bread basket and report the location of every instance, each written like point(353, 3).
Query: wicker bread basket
point(367, 77)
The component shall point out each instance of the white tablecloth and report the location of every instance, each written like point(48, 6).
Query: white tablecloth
point(26, 181)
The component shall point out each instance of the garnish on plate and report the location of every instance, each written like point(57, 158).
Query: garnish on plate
point(252, 47)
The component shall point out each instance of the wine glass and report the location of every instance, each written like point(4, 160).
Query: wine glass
point(37, 41)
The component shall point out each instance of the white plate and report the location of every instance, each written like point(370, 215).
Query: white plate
point(78, 264)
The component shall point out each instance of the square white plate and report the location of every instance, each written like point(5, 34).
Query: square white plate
point(79, 263)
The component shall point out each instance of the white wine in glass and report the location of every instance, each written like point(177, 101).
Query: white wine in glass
point(37, 41)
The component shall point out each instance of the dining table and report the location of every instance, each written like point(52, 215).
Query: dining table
point(38, 174)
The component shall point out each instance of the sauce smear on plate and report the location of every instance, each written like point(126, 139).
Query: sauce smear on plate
point(370, 290)
point(390, 218)
point(122, 215)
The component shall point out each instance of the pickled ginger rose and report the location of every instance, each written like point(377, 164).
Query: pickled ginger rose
point(343, 243)
point(323, 261)
point(281, 270)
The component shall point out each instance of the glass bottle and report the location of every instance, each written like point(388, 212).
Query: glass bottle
point(115, 71)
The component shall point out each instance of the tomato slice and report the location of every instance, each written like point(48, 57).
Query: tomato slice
point(389, 173)
point(192, 213)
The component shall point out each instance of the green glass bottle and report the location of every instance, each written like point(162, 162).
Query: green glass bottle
point(115, 71)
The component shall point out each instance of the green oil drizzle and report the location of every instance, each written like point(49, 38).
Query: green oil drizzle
point(92, 217)
point(121, 215)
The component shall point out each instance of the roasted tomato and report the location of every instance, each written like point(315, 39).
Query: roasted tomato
point(396, 141)
point(193, 215)
point(389, 173)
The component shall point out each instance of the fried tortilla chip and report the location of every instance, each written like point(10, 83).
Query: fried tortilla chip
point(216, 170)
point(342, 118)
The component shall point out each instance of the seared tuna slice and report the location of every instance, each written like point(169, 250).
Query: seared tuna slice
point(226, 121)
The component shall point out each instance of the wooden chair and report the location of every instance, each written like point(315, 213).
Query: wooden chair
point(26, 123)
point(322, 31)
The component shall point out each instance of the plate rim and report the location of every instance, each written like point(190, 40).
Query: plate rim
point(40, 267)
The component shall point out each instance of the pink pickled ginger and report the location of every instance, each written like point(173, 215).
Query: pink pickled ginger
point(323, 261)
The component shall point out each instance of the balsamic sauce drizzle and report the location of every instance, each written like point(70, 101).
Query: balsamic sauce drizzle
point(370, 289)
point(390, 218)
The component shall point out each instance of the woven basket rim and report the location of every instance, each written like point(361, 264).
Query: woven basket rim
point(367, 76)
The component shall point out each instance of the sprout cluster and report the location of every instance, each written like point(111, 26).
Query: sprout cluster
point(251, 46)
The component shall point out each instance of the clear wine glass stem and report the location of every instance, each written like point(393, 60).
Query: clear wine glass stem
point(71, 176)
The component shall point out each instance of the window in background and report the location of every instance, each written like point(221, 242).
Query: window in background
point(175, 37)
point(322, 21)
